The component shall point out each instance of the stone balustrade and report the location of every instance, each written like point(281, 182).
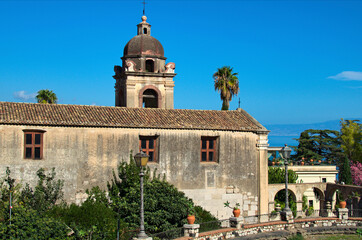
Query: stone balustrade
point(305, 226)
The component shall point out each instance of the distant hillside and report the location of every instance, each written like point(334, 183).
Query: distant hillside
point(296, 129)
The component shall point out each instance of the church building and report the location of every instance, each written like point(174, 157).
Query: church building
point(212, 156)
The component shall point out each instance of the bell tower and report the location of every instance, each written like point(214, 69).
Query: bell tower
point(144, 79)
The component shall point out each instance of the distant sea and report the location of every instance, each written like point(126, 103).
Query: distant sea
point(281, 134)
point(280, 141)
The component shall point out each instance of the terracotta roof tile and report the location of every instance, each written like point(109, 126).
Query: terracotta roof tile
point(95, 116)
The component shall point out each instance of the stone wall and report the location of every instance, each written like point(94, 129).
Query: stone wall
point(86, 157)
point(282, 230)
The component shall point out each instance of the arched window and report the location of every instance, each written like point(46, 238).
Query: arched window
point(150, 99)
point(145, 31)
point(150, 66)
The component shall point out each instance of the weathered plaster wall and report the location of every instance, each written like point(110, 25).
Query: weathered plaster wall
point(85, 157)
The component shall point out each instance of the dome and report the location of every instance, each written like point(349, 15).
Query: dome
point(143, 45)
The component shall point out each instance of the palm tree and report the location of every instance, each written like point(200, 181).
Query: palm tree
point(46, 96)
point(227, 83)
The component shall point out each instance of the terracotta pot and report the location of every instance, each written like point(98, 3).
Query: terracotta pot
point(302, 163)
point(273, 163)
point(190, 219)
point(342, 204)
point(236, 212)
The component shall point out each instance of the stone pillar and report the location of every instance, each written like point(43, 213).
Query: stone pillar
point(300, 209)
point(329, 210)
point(236, 222)
point(191, 230)
point(271, 206)
point(275, 216)
point(343, 213)
point(263, 197)
point(287, 216)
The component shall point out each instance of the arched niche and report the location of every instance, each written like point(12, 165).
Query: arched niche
point(150, 97)
point(150, 65)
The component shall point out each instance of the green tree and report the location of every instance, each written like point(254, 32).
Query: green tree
point(93, 219)
point(46, 96)
point(345, 170)
point(227, 84)
point(165, 206)
point(29, 224)
point(277, 175)
point(305, 149)
point(351, 140)
point(8, 187)
point(47, 192)
point(318, 145)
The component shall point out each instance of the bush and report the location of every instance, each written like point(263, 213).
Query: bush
point(29, 224)
point(165, 207)
point(277, 175)
point(93, 219)
point(47, 192)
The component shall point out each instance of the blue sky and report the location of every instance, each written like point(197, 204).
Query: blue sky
point(298, 61)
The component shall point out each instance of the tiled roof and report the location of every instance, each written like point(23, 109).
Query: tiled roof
point(120, 117)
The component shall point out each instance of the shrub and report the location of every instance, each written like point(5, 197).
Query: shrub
point(93, 219)
point(47, 192)
point(277, 175)
point(165, 207)
point(29, 224)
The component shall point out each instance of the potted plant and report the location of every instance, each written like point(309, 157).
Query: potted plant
point(236, 209)
point(302, 162)
point(191, 216)
point(342, 201)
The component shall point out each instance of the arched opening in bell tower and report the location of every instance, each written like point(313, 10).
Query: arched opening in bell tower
point(150, 99)
point(150, 66)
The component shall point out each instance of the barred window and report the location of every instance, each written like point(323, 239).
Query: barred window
point(209, 149)
point(33, 144)
point(149, 145)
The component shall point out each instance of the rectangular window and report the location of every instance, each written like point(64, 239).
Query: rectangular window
point(208, 149)
point(148, 144)
point(33, 144)
point(324, 179)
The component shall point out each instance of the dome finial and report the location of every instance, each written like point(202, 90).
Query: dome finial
point(144, 18)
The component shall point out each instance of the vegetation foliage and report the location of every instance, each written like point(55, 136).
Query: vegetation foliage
point(226, 82)
point(46, 96)
point(277, 175)
point(343, 148)
point(165, 206)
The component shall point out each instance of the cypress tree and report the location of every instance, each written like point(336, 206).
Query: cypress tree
point(345, 171)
